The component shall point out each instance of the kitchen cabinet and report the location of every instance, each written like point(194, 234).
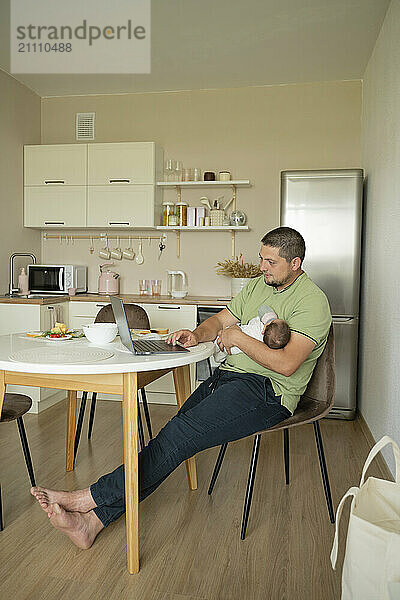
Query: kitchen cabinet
point(55, 178)
point(83, 313)
point(131, 163)
point(55, 164)
point(121, 185)
point(92, 185)
point(58, 206)
point(173, 317)
point(120, 206)
point(19, 318)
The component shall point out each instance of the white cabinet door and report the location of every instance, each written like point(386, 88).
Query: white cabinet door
point(121, 206)
point(65, 164)
point(127, 162)
point(56, 206)
point(19, 318)
point(83, 313)
point(173, 317)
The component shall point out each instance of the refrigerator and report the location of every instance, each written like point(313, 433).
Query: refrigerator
point(326, 208)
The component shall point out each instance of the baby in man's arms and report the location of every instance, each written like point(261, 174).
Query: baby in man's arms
point(266, 327)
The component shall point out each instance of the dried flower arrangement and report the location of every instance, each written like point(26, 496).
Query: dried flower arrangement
point(237, 268)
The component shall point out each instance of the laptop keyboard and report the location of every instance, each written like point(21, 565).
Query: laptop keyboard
point(150, 345)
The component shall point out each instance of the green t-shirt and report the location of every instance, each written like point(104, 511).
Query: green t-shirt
point(304, 306)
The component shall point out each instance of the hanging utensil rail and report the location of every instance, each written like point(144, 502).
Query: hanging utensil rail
point(67, 238)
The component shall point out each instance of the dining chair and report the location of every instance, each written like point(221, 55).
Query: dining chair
point(314, 404)
point(14, 407)
point(137, 319)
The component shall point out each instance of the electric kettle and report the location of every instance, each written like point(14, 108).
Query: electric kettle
point(108, 280)
point(177, 284)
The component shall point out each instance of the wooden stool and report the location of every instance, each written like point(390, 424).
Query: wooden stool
point(14, 406)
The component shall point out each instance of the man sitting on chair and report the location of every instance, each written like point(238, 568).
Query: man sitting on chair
point(250, 392)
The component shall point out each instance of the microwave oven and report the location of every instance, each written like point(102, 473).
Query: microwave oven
point(56, 279)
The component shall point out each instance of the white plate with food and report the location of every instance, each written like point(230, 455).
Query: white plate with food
point(57, 337)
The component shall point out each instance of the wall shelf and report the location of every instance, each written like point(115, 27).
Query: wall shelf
point(204, 228)
point(236, 183)
point(178, 185)
point(177, 229)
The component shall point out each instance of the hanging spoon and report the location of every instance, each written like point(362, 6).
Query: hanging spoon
point(91, 249)
point(139, 258)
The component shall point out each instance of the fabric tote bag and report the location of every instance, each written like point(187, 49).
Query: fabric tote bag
point(372, 558)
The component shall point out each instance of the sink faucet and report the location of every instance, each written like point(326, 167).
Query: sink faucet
point(11, 288)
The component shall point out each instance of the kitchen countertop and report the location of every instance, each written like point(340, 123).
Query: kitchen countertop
point(128, 298)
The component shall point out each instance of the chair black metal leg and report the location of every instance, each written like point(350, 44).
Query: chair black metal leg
point(140, 424)
point(324, 471)
point(80, 422)
point(91, 416)
point(217, 467)
point(250, 485)
point(286, 453)
point(146, 412)
point(25, 448)
point(1, 513)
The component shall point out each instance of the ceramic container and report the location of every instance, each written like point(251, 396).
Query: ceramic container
point(100, 333)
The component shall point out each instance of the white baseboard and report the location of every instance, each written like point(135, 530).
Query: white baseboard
point(38, 407)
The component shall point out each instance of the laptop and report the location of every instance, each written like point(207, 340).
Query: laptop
point(139, 347)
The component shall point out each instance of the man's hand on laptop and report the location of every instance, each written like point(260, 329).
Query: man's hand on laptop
point(185, 337)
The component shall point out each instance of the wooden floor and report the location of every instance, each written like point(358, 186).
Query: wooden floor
point(190, 547)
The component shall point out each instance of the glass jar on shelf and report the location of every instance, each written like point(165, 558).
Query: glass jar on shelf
point(181, 211)
point(168, 209)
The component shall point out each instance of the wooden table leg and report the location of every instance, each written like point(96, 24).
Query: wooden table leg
point(71, 420)
point(183, 391)
point(130, 420)
point(2, 390)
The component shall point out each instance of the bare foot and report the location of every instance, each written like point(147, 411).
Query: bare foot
point(78, 501)
point(81, 528)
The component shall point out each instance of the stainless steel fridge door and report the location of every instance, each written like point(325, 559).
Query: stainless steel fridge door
point(346, 353)
point(325, 206)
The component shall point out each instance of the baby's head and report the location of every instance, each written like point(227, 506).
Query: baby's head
point(276, 334)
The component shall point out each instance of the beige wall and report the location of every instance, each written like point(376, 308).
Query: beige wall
point(380, 341)
point(252, 132)
point(19, 125)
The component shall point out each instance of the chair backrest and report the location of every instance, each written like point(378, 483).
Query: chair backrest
point(321, 386)
point(136, 315)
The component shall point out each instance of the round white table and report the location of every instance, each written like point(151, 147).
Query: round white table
point(122, 373)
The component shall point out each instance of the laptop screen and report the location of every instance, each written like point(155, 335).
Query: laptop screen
point(122, 322)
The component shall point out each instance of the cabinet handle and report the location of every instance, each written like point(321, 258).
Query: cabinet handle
point(54, 222)
point(169, 307)
point(120, 180)
point(101, 305)
point(55, 181)
point(127, 223)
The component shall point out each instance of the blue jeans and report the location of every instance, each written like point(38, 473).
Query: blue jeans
point(226, 407)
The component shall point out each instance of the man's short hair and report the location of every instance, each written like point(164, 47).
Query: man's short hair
point(290, 242)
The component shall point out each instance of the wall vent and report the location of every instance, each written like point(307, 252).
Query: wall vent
point(85, 126)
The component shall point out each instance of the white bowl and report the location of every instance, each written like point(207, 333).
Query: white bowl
point(178, 294)
point(100, 333)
